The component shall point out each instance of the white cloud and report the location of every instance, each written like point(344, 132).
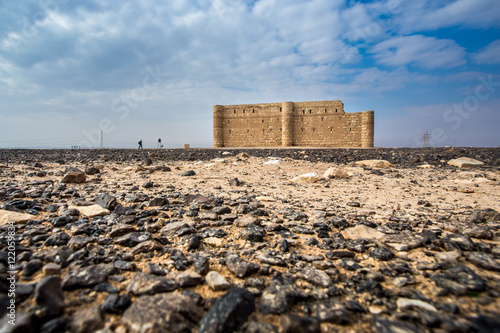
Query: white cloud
point(82, 56)
point(427, 15)
point(426, 52)
point(377, 80)
point(489, 55)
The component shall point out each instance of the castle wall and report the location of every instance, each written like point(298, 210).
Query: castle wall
point(308, 124)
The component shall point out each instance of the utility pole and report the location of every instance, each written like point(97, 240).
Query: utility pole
point(102, 140)
point(425, 140)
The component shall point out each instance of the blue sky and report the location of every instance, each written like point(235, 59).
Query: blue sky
point(153, 69)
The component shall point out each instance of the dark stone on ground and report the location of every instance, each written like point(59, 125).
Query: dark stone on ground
point(116, 304)
point(241, 269)
point(87, 276)
point(106, 201)
point(279, 296)
point(147, 284)
point(87, 320)
point(55, 325)
point(291, 323)
point(49, 296)
point(483, 260)
point(381, 253)
point(171, 313)
point(331, 311)
point(229, 312)
point(380, 325)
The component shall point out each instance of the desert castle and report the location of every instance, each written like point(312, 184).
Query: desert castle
point(307, 124)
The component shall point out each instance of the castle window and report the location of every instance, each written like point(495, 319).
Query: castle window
point(310, 110)
point(335, 110)
point(253, 111)
point(280, 108)
point(281, 129)
point(262, 120)
point(243, 110)
point(229, 131)
point(325, 110)
point(263, 130)
point(303, 111)
point(321, 118)
point(234, 111)
point(331, 129)
point(349, 129)
point(302, 129)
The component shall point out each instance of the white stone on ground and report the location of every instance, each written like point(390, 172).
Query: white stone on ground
point(216, 281)
point(7, 216)
point(91, 211)
point(464, 162)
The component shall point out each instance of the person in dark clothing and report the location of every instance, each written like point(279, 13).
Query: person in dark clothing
point(140, 144)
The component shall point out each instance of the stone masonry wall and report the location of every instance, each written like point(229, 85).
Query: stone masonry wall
point(307, 124)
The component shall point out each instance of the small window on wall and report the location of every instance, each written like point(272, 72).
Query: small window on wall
point(281, 129)
point(335, 110)
point(302, 129)
point(262, 120)
point(325, 110)
point(229, 131)
point(303, 111)
point(253, 111)
point(310, 110)
point(234, 111)
point(248, 131)
point(263, 131)
point(322, 119)
point(349, 129)
point(331, 129)
point(243, 110)
point(280, 108)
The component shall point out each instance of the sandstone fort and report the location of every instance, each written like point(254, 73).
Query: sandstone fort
point(306, 124)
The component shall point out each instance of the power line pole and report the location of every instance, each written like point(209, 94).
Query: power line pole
point(102, 140)
point(425, 140)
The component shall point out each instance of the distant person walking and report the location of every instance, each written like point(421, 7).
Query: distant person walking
point(140, 144)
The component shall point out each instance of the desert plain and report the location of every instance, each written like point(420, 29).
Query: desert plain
point(250, 240)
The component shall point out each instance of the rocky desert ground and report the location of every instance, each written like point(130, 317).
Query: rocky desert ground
point(250, 240)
